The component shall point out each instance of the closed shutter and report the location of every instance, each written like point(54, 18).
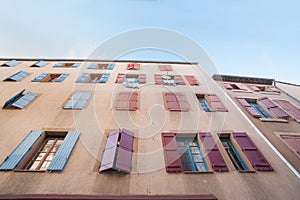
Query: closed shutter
point(24, 100)
point(158, 79)
point(124, 157)
point(289, 107)
point(142, 78)
point(63, 153)
point(61, 77)
point(171, 155)
point(214, 155)
point(127, 101)
point(192, 80)
point(40, 77)
point(78, 100)
point(165, 67)
point(179, 80)
point(293, 141)
point(120, 78)
point(111, 66)
point(176, 102)
point(19, 152)
point(255, 157)
point(248, 107)
point(215, 103)
point(109, 153)
point(12, 99)
point(82, 78)
point(58, 64)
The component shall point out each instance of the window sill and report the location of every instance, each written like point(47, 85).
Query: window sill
point(270, 93)
point(273, 120)
point(247, 171)
point(24, 170)
point(241, 91)
point(191, 172)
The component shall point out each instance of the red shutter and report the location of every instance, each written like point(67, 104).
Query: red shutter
point(289, 107)
point(248, 107)
point(142, 78)
point(110, 151)
point(192, 80)
point(213, 152)
point(215, 102)
point(158, 79)
point(176, 102)
point(165, 67)
point(293, 141)
point(267, 102)
point(171, 155)
point(279, 112)
point(255, 157)
point(179, 80)
point(274, 89)
point(254, 88)
point(120, 78)
point(127, 101)
point(241, 86)
point(123, 161)
point(133, 66)
point(227, 86)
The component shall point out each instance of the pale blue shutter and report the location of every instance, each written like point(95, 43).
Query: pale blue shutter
point(61, 78)
point(82, 77)
point(104, 78)
point(12, 99)
point(18, 76)
point(11, 63)
point(63, 153)
point(58, 64)
point(40, 77)
point(19, 152)
point(40, 63)
point(75, 65)
point(26, 99)
point(92, 66)
point(111, 66)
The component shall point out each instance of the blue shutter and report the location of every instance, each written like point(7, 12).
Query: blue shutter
point(26, 99)
point(12, 99)
point(82, 77)
point(63, 153)
point(78, 100)
point(11, 63)
point(111, 66)
point(61, 78)
point(75, 65)
point(19, 152)
point(104, 78)
point(58, 64)
point(92, 66)
point(40, 77)
point(17, 76)
point(40, 63)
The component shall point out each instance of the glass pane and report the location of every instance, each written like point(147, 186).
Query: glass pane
point(197, 158)
point(50, 156)
point(34, 165)
point(195, 150)
point(45, 165)
point(200, 167)
point(40, 156)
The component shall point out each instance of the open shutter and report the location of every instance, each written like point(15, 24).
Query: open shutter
point(82, 78)
point(273, 107)
point(289, 107)
point(213, 152)
point(124, 157)
point(192, 80)
point(40, 77)
point(179, 80)
point(109, 153)
point(255, 157)
point(75, 65)
point(267, 102)
point(40, 63)
point(17, 76)
point(111, 66)
point(19, 152)
point(254, 88)
point(104, 78)
point(26, 99)
point(142, 78)
point(293, 141)
point(248, 107)
point(12, 99)
point(171, 155)
point(63, 153)
point(215, 103)
point(274, 89)
point(158, 79)
point(241, 86)
point(10, 63)
point(227, 86)
point(60, 64)
point(120, 78)
point(61, 77)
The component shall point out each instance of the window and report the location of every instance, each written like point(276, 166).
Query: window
point(117, 155)
point(131, 80)
point(20, 100)
point(93, 78)
point(127, 101)
point(42, 151)
point(192, 80)
point(101, 66)
point(211, 102)
point(293, 141)
point(133, 66)
point(10, 63)
point(67, 64)
point(40, 63)
point(213, 153)
point(290, 108)
point(190, 154)
point(46, 77)
point(260, 110)
point(256, 158)
point(17, 76)
point(168, 80)
point(233, 154)
point(78, 100)
point(204, 104)
point(165, 67)
point(176, 101)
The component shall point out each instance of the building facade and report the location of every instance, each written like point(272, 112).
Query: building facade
point(142, 129)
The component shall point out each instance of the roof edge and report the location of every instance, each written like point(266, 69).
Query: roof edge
point(243, 79)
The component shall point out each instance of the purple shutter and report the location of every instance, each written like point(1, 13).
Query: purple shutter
point(289, 107)
point(227, 86)
point(126, 141)
point(109, 153)
point(213, 152)
point(171, 155)
point(248, 107)
point(293, 141)
point(215, 102)
point(255, 157)
point(267, 102)
point(274, 89)
point(124, 155)
point(279, 112)
point(254, 88)
point(241, 86)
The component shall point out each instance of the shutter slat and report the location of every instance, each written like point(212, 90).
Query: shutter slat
point(63, 153)
point(257, 160)
point(171, 155)
point(213, 152)
point(19, 152)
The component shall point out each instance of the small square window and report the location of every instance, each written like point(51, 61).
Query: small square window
point(47, 77)
point(67, 65)
point(101, 66)
point(93, 78)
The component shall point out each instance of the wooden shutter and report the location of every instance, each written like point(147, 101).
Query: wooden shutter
point(248, 107)
point(293, 141)
point(267, 102)
point(227, 86)
point(273, 107)
point(19, 152)
point(255, 157)
point(127, 101)
point(179, 80)
point(254, 88)
point(215, 103)
point(192, 80)
point(289, 107)
point(158, 79)
point(63, 153)
point(171, 155)
point(176, 102)
point(124, 157)
point(142, 78)
point(120, 78)
point(241, 86)
point(213, 152)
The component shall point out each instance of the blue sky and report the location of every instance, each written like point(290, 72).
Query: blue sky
point(243, 37)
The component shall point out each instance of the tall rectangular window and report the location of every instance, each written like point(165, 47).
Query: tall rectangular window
point(67, 64)
point(203, 103)
point(232, 152)
point(46, 77)
point(190, 153)
point(262, 112)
